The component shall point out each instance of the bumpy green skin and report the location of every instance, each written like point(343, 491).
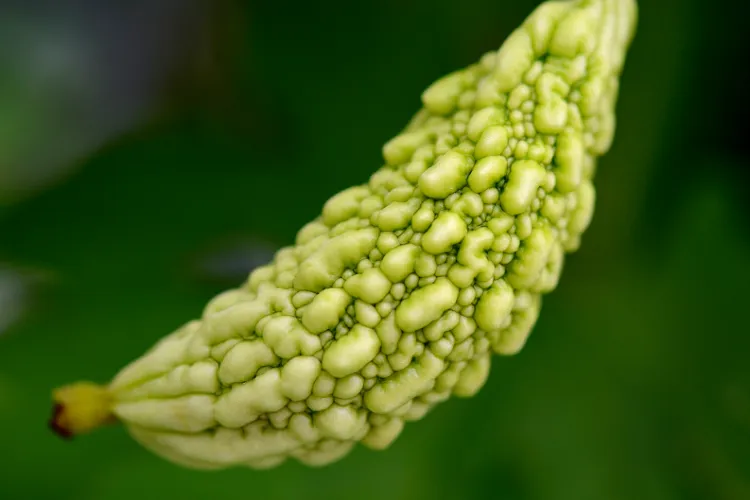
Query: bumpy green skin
point(397, 296)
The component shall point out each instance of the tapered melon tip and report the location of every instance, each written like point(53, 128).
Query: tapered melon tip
point(80, 408)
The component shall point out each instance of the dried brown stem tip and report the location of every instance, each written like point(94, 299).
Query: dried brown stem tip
point(80, 408)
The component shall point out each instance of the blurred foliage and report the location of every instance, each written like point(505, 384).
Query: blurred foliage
point(76, 73)
point(635, 382)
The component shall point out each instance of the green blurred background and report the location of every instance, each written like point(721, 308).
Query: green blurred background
point(151, 153)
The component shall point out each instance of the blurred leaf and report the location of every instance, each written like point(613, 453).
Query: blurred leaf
point(77, 75)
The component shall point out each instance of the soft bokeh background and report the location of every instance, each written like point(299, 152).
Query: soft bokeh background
point(151, 153)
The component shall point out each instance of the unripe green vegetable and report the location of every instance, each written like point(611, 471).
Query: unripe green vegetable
point(400, 292)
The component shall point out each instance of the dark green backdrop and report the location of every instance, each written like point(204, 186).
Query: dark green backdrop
point(635, 383)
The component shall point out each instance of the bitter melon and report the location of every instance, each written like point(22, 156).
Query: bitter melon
point(397, 295)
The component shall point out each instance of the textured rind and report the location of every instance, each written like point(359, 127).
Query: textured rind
point(398, 294)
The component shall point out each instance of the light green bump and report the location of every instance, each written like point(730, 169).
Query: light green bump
point(472, 250)
point(418, 409)
point(344, 205)
point(551, 116)
point(405, 385)
point(552, 270)
point(321, 269)
point(425, 265)
point(302, 428)
point(554, 207)
point(244, 403)
point(513, 59)
point(399, 360)
point(305, 235)
point(370, 370)
point(591, 91)
point(435, 330)
point(541, 24)
point(326, 310)
point(581, 216)
point(523, 226)
point(280, 300)
point(463, 351)
point(387, 179)
point(343, 228)
point(604, 135)
point(414, 169)
point(447, 230)
point(525, 178)
point(401, 148)
point(426, 305)
point(518, 96)
point(167, 354)
point(200, 377)
point(473, 377)
point(387, 242)
point(467, 296)
point(465, 328)
point(224, 300)
point(441, 97)
point(288, 338)
point(493, 142)
point(371, 286)
point(301, 299)
point(339, 422)
point(422, 219)
point(298, 376)
point(487, 172)
point(319, 403)
point(244, 360)
point(500, 224)
point(351, 352)
point(324, 385)
point(398, 290)
point(449, 378)
point(550, 86)
point(402, 193)
point(369, 206)
point(442, 347)
point(407, 346)
point(389, 334)
point(531, 258)
point(469, 204)
point(488, 93)
point(446, 176)
point(265, 273)
point(396, 215)
point(382, 436)
point(221, 448)
point(482, 119)
point(569, 162)
point(193, 413)
point(399, 262)
point(512, 339)
point(238, 320)
point(576, 32)
point(494, 306)
point(366, 314)
point(462, 276)
point(348, 387)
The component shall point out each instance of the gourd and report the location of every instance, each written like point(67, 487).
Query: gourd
point(400, 293)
